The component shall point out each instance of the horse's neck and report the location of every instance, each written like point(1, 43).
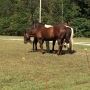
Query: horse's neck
point(32, 32)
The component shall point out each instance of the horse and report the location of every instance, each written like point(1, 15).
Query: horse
point(36, 24)
point(68, 45)
point(65, 44)
point(31, 27)
point(57, 32)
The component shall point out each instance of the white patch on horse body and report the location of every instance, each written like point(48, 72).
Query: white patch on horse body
point(48, 26)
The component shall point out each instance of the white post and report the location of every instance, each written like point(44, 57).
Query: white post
point(40, 13)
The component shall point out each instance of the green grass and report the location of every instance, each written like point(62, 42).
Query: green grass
point(64, 72)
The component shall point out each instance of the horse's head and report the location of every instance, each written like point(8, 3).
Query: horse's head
point(67, 23)
point(27, 37)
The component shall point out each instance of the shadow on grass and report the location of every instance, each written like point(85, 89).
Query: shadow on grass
point(67, 52)
point(53, 52)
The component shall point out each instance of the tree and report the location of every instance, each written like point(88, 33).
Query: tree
point(16, 15)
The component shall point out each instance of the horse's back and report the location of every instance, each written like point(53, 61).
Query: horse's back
point(60, 30)
point(46, 33)
point(55, 32)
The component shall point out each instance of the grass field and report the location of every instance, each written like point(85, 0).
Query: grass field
point(22, 69)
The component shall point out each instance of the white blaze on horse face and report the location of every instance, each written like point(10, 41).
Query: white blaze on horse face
point(48, 26)
point(27, 35)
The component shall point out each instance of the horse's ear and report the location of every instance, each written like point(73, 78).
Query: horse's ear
point(68, 23)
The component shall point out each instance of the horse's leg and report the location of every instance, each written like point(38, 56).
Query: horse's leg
point(60, 45)
point(47, 46)
point(35, 39)
point(33, 45)
point(41, 45)
point(69, 45)
point(53, 44)
point(64, 44)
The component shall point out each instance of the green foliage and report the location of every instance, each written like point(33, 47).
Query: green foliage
point(17, 22)
point(71, 12)
point(81, 27)
point(4, 24)
point(16, 15)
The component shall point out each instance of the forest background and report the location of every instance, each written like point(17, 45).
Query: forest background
point(16, 15)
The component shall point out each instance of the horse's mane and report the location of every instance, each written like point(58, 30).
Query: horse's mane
point(30, 27)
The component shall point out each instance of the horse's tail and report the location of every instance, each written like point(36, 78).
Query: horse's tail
point(71, 38)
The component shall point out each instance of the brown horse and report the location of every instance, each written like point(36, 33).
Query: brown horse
point(32, 26)
point(57, 32)
point(65, 44)
point(68, 45)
